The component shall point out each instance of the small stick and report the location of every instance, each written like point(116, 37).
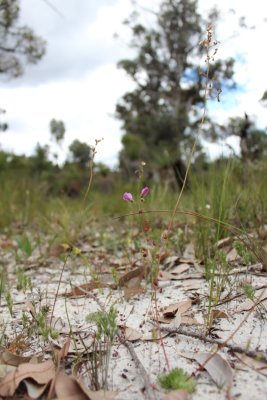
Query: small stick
point(151, 395)
point(220, 343)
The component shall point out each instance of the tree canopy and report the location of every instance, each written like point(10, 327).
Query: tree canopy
point(161, 114)
point(18, 44)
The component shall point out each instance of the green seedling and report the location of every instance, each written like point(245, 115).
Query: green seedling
point(106, 328)
point(24, 282)
point(247, 256)
point(25, 246)
point(177, 379)
point(9, 302)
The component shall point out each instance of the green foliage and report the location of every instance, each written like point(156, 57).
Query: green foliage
point(25, 246)
point(80, 152)
point(24, 282)
point(177, 379)
point(18, 44)
point(9, 302)
point(57, 130)
point(164, 108)
point(247, 256)
point(106, 329)
point(249, 290)
point(105, 322)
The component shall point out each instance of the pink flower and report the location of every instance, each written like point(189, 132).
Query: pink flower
point(127, 196)
point(144, 192)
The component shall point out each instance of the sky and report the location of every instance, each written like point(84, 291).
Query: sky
point(79, 83)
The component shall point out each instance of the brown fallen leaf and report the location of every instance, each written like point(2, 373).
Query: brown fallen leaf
point(191, 285)
point(132, 292)
point(233, 256)
point(189, 251)
point(41, 373)
point(67, 388)
point(126, 278)
point(179, 269)
point(169, 261)
point(189, 320)
point(177, 395)
point(34, 390)
point(91, 395)
point(257, 365)
point(132, 334)
point(13, 359)
point(218, 314)
point(86, 288)
point(217, 367)
point(181, 306)
point(166, 276)
point(248, 303)
point(224, 242)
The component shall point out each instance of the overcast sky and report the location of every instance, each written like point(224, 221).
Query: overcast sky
point(78, 82)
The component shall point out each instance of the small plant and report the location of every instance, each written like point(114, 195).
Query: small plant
point(9, 302)
point(24, 282)
point(25, 246)
point(246, 255)
point(249, 290)
point(177, 379)
point(104, 337)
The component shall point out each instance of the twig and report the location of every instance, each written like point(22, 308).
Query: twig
point(151, 395)
point(220, 343)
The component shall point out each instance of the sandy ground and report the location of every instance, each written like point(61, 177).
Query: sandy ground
point(137, 313)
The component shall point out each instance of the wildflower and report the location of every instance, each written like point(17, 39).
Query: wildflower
point(127, 196)
point(144, 192)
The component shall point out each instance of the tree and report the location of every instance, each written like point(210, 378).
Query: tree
point(164, 108)
point(3, 125)
point(253, 141)
point(57, 130)
point(80, 152)
point(18, 44)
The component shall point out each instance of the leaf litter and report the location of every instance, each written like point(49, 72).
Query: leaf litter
point(178, 305)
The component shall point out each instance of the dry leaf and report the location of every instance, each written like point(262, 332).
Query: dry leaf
point(176, 322)
point(224, 242)
point(42, 373)
point(217, 367)
point(181, 306)
point(177, 395)
point(132, 292)
point(34, 390)
point(132, 334)
point(189, 321)
point(233, 256)
point(85, 288)
point(128, 276)
point(169, 262)
point(191, 285)
point(179, 269)
point(67, 388)
point(257, 365)
point(166, 276)
point(189, 251)
point(218, 314)
point(97, 395)
point(13, 359)
point(258, 299)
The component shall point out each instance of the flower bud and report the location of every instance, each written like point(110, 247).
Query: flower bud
point(127, 196)
point(144, 192)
